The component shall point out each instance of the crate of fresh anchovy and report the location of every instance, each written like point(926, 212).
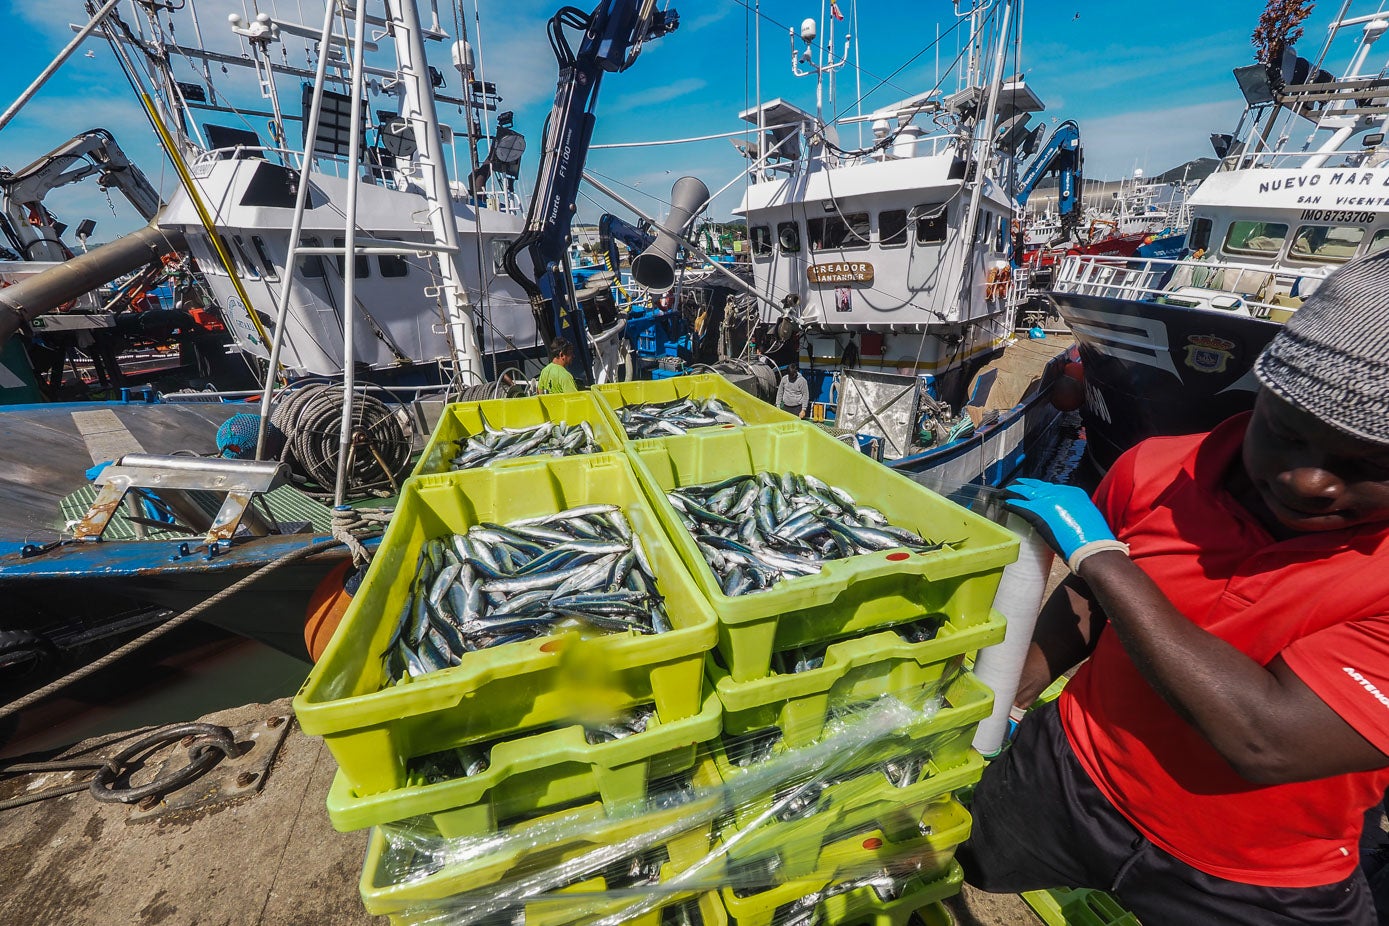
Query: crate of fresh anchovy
point(798, 539)
point(469, 789)
point(932, 754)
point(474, 434)
point(410, 866)
point(810, 684)
point(502, 600)
point(896, 798)
point(675, 406)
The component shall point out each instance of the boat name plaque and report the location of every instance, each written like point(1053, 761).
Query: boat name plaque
point(840, 272)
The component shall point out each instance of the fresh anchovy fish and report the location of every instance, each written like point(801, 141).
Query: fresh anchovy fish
point(553, 438)
point(675, 417)
point(581, 569)
point(634, 721)
point(755, 531)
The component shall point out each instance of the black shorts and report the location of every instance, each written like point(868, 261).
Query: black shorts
point(1040, 822)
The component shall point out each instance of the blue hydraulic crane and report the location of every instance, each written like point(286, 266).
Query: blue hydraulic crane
point(613, 34)
point(1061, 155)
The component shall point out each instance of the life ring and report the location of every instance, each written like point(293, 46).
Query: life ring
point(996, 283)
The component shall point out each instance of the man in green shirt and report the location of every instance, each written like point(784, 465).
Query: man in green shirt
point(556, 376)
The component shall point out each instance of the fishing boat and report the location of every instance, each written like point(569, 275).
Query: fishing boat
point(1168, 344)
point(882, 267)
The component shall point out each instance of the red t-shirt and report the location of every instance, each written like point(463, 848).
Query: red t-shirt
point(1321, 600)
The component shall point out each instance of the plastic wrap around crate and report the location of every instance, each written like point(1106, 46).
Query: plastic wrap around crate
point(461, 420)
point(864, 906)
point(374, 729)
point(701, 386)
point(857, 670)
point(943, 740)
point(771, 908)
point(407, 878)
point(530, 773)
point(847, 596)
point(784, 825)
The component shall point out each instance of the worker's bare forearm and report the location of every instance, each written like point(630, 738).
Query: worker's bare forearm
point(1233, 701)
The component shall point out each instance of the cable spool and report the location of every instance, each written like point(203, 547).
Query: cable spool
point(311, 419)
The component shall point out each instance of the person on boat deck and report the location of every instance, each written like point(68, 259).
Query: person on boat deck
point(793, 392)
point(556, 376)
point(1213, 759)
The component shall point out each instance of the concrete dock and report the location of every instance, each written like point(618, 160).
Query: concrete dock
point(269, 858)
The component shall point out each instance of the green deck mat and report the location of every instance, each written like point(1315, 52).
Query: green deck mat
point(286, 504)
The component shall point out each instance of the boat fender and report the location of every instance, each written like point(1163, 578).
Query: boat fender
point(1066, 394)
point(1019, 600)
point(327, 605)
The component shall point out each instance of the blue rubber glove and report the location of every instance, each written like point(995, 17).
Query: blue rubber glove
point(1065, 517)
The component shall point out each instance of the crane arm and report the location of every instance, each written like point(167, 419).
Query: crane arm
point(92, 152)
point(613, 34)
point(613, 231)
point(1062, 155)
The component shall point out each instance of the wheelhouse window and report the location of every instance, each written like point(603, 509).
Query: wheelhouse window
point(392, 265)
point(263, 253)
point(1199, 239)
point(1379, 242)
point(1326, 244)
point(930, 223)
point(838, 232)
point(1262, 238)
point(311, 265)
point(250, 266)
point(361, 266)
point(788, 237)
point(892, 228)
point(499, 247)
point(761, 240)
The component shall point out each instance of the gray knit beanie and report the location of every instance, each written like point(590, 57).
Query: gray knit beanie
point(1332, 357)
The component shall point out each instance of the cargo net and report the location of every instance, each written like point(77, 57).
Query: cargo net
point(849, 818)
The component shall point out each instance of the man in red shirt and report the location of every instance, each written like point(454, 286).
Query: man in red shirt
point(1213, 760)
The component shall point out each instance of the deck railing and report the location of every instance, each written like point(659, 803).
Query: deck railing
point(1260, 291)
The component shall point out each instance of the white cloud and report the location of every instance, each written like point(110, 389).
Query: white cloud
point(654, 96)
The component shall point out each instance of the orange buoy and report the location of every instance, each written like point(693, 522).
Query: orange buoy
point(1075, 371)
point(326, 607)
point(1067, 394)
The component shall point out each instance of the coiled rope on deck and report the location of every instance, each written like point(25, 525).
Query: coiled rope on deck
point(310, 419)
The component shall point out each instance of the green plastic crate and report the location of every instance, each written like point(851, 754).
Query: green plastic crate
point(867, 800)
point(751, 409)
point(864, 907)
point(849, 595)
point(966, 702)
point(917, 898)
point(373, 731)
point(1061, 907)
point(530, 773)
point(387, 889)
point(461, 420)
point(855, 671)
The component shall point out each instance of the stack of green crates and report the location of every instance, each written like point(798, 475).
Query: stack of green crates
point(517, 702)
point(710, 680)
point(849, 614)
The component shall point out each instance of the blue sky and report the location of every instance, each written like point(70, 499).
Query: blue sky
point(1146, 87)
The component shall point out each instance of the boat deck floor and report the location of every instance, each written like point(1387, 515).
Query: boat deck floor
point(45, 450)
